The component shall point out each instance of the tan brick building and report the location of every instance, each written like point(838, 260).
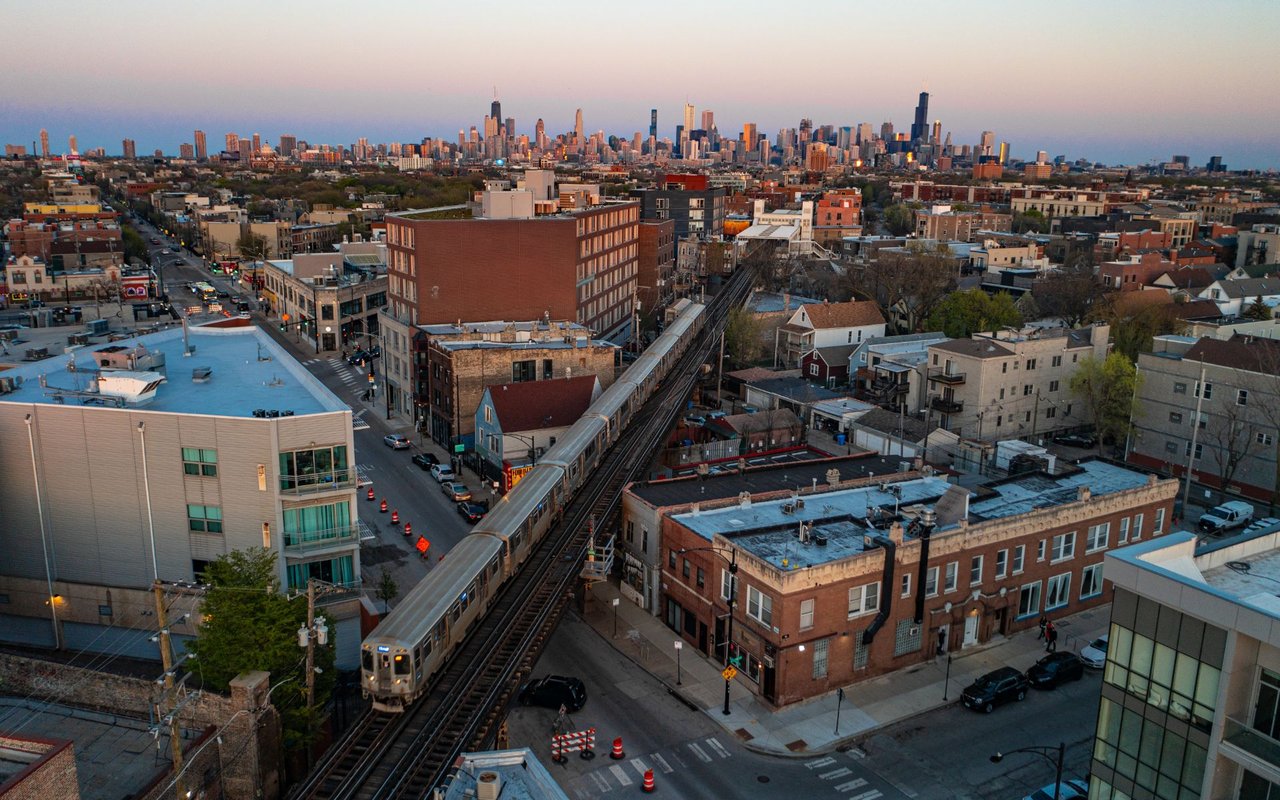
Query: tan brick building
point(50, 768)
point(945, 225)
point(821, 600)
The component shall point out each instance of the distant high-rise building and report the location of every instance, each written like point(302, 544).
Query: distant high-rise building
point(495, 109)
point(257, 143)
point(202, 147)
point(987, 143)
point(186, 151)
point(749, 135)
point(708, 120)
point(510, 125)
point(936, 136)
point(653, 122)
point(540, 134)
point(44, 143)
point(865, 133)
point(1215, 165)
point(1185, 161)
point(1004, 153)
point(246, 150)
point(71, 143)
point(577, 125)
point(288, 144)
point(233, 143)
point(1042, 156)
point(129, 148)
point(886, 131)
point(919, 128)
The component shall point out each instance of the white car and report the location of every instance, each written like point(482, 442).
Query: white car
point(442, 472)
point(396, 441)
point(1094, 654)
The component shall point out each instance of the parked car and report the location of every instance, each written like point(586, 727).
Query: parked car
point(358, 358)
point(1232, 514)
point(442, 472)
point(1054, 669)
point(1082, 440)
point(695, 419)
point(175, 248)
point(717, 415)
point(1070, 789)
point(457, 492)
point(424, 460)
point(396, 441)
point(554, 691)
point(1094, 654)
point(995, 688)
point(471, 512)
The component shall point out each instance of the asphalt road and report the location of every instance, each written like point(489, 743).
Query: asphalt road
point(691, 756)
point(945, 754)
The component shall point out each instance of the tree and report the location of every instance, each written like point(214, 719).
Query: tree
point(252, 246)
point(387, 589)
point(913, 283)
point(1028, 307)
point(1258, 310)
point(743, 334)
point(898, 219)
point(1107, 387)
point(1030, 221)
point(962, 314)
point(1068, 293)
point(249, 625)
point(1135, 325)
point(1232, 436)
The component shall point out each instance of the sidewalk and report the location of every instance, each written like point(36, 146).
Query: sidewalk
point(806, 728)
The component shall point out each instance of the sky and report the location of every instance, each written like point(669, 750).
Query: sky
point(1120, 82)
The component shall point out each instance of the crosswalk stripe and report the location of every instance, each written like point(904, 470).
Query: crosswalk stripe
point(719, 748)
point(603, 785)
point(836, 773)
point(849, 786)
point(819, 762)
point(661, 762)
point(697, 751)
point(639, 766)
point(620, 774)
point(871, 795)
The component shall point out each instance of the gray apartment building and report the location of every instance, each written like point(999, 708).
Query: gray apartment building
point(147, 458)
point(1213, 406)
point(696, 208)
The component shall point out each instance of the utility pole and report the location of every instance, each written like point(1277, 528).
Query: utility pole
point(166, 660)
point(314, 632)
point(1195, 435)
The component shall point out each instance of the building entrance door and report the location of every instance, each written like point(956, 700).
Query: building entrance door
point(970, 629)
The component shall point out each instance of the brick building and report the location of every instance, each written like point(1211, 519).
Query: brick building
point(655, 271)
point(50, 769)
point(837, 215)
point(945, 225)
point(696, 207)
point(823, 600)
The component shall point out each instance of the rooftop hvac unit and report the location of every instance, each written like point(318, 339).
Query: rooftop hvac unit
point(201, 374)
point(97, 327)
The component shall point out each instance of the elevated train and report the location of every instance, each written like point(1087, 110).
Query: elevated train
point(417, 637)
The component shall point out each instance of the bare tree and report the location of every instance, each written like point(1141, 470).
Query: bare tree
point(910, 284)
point(1232, 436)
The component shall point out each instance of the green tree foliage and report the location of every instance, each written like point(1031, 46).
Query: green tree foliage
point(387, 589)
point(743, 337)
point(898, 219)
point(1030, 221)
point(962, 314)
point(250, 625)
point(1134, 325)
point(1257, 310)
point(135, 249)
point(1107, 387)
point(252, 247)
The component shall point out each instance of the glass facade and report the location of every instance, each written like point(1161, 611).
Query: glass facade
point(316, 469)
point(1159, 695)
point(339, 571)
point(317, 525)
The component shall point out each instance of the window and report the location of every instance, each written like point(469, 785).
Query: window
point(1091, 581)
point(685, 569)
point(1171, 446)
point(1137, 527)
point(1175, 417)
point(1057, 362)
point(1031, 363)
point(906, 585)
point(1050, 412)
point(1208, 390)
point(196, 461)
point(524, 371)
point(204, 519)
point(1123, 536)
point(820, 659)
point(931, 583)
point(806, 614)
point(813, 369)
point(1029, 599)
point(1053, 386)
point(1242, 397)
point(759, 606)
point(1179, 388)
point(1096, 538)
point(1019, 557)
point(1026, 390)
point(320, 465)
point(1264, 439)
point(1002, 563)
point(864, 599)
point(1004, 367)
point(1064, 546)
point(1199, 450)
point(1158, 528)
point(671, 563)
point(726, 587)
point(953, 572)
point(975, 571)
point(1057, 591)
point(702, 578)
point(1040, 550)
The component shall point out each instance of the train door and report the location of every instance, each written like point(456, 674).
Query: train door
point(383, 671)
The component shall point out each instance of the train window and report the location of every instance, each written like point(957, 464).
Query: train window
point(366, 660)
point(402, 664)
point(494, 566)
point(472, 591)
point(455, 612)
point(464, 600)
point(426, 647)
point(417, 655)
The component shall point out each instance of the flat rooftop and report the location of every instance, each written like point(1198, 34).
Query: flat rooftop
point(1024, 493)
point(249, 371)
point(518, 772)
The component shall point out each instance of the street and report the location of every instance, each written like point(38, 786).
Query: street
point(691, 756)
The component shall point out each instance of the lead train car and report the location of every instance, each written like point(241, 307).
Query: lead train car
point(398, 659)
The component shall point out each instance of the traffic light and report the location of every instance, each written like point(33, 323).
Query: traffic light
point(282, 327)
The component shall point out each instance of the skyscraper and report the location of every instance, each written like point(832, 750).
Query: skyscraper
point(688, 117)
point(288, 144)
point(233, 143)
point(577, 125)
point(540, 134)
point(129, 148)
point(495, 110)
point(44, 143)
point(865, 134)
point(257, 144)
point(920, 127)
point(202, 148)
point(708, 120)
point(71, 142)
point(987, 143)
point(653, 122)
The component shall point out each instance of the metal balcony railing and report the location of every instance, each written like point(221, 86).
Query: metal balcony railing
point(950, 378)
point(1252, 741)
point(947, 406)
point(315, 482)
point(302, 542)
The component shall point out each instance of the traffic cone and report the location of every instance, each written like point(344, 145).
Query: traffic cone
point(408, 531)
point(369, 496)
point(617, 754)
point(383, 507)
point(648, 786)
point(395, 517)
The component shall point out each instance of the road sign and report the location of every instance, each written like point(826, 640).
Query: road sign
point(459, 448)
point(729, 673)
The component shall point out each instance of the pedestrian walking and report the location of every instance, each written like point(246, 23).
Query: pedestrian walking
point(1043, 622)
point(1051, 636)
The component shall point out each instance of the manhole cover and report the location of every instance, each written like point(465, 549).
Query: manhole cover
point(762, 778)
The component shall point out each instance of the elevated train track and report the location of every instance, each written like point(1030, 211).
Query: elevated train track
point(406, 755)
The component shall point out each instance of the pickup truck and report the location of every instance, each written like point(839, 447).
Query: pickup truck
point(1225, 517)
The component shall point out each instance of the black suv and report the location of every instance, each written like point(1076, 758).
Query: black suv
point(554, 691)
point(995, 688)
point(424, 460)
point(1054, 669)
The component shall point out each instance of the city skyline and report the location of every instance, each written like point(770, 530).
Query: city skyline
point(1135, 97)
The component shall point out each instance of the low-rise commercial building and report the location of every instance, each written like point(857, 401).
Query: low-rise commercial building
point(329, 298)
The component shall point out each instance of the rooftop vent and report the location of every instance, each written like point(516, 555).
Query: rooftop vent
point(488, 786)
point(201, 374)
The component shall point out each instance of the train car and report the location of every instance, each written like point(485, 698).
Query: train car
point(579, 449)
point(398, 659)
point(524, 514)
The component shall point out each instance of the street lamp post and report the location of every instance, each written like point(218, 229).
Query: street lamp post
point(373, 372)
point(679, 647)
point(733, 596)
point(1043, 752)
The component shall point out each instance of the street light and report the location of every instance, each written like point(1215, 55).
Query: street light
point(386, 390)
point(1043, 752)
point(733, 596)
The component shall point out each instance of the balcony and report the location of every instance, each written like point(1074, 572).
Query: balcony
point(310, 541)
point(884, 391)
point(317, 482)
point(1252, 742)
point(946, 405)
point(949, 378)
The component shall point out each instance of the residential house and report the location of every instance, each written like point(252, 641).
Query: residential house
point(1235, 297)
point(824, 325)
point(1259, 244)
point(889, 370)
point(516, 423)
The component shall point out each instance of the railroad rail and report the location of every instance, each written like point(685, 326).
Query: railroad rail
point(406, 755)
